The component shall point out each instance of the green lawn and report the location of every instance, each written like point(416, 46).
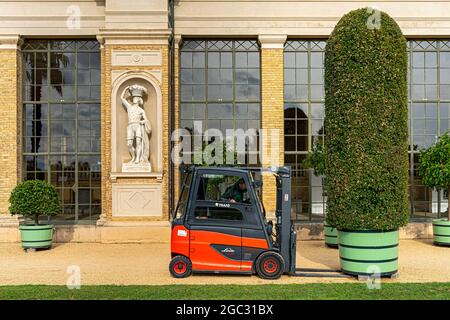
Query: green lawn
point(272, 291)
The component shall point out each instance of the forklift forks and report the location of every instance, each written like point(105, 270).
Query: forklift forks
point(286, 237)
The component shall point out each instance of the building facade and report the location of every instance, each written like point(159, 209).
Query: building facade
point(64, 66)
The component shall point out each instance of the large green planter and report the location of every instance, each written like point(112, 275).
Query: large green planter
point(441, 232)
point(37, 237)
point(331, 236)
point(365, 252)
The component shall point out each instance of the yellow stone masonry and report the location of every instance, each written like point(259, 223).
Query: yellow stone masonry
point(176, 75)
point(10, 128)
point(272, 119)
point(107, 68)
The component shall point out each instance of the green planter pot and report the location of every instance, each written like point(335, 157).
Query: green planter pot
point(365, 252)
point(441, 232)
point(331, 236)
point(36, 237)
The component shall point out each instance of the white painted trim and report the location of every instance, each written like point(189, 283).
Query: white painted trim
point(272, 41)
point(135, 36)
point(10, 42)
point(115, 175)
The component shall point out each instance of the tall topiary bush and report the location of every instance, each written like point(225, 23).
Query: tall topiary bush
point(366, 123)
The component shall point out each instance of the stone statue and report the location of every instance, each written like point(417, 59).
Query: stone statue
point(138, 130)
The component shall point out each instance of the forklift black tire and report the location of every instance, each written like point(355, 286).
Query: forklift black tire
point(180, 267)
point(270, 265)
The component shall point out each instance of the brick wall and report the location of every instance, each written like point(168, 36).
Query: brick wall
point(10, 128)
point(272, 119)
point(177, 107)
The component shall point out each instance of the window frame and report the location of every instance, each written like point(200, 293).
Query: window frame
point(76, 48)
point(233, 46)
point(307, 47)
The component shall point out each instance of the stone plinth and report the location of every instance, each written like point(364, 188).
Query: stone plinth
point(139, 167)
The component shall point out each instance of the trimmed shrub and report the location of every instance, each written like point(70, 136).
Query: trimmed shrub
point(316, 160)
point(217, 154)
point(366, 124)
point(434, 166)
point(33, 198)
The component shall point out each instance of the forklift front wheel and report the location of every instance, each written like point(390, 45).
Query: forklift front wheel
point(180, 267)
point(270, 265)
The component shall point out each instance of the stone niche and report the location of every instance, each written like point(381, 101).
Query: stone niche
point(136, 194)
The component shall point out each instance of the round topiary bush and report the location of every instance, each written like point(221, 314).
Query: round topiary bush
point(316, 160)
point(366, 118)
point(33, 198)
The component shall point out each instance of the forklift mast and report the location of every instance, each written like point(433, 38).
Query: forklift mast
point(286, 235)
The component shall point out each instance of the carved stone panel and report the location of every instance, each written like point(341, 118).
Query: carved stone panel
point(137, 200)
point(136, 58)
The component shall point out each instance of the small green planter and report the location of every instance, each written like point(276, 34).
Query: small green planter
point(441, 232)
point(36, 237)
point(331, 236)
point(365, 252)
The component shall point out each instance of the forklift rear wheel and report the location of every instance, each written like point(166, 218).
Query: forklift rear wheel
point(270, 265)
point(180, 267)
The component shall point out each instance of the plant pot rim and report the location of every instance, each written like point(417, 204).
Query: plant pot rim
point(367, 231)
point(445, 220)
point(33, 226)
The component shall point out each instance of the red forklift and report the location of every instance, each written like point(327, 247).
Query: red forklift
point(219, 225)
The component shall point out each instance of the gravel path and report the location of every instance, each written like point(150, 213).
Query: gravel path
point(147, 264)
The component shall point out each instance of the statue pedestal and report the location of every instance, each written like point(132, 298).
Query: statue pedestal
point(140, 167)
point(137, 194)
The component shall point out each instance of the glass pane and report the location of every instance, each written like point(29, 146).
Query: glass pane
point(289, 111)
point(316, 59)
point(186, 59)
point(226, 59)
point(198, 60)
point(241, 60)
point(220, 111)
point(213, 59)
point(418, 59)
point(301, 60)
point(289, 143)
point(253, 59)
point(289, 60)
point(302, 143)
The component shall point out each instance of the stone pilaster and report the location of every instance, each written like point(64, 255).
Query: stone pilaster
point(177, 109)
point(105, 134)
point(272, 112)
point(137, 45)
point(11, 122)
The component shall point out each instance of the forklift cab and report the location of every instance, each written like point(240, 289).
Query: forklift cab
point(219, 226)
